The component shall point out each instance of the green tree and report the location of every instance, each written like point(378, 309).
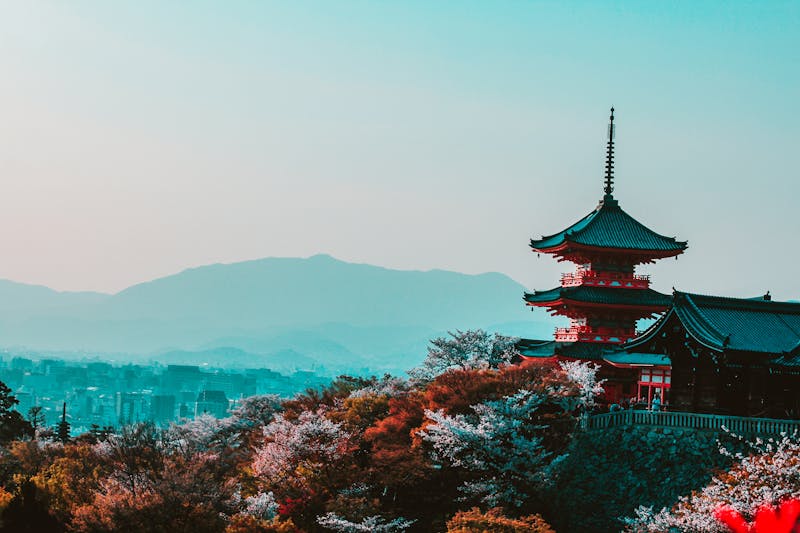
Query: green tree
point(12, 425)
point(36, 417)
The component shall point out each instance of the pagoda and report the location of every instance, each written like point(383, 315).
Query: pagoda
point(604, 296)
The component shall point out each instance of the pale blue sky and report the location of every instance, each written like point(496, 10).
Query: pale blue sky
point(141, 138)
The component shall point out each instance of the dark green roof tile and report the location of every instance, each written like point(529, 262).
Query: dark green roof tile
point(609, 226)
point(592, 351)
point(601, 295)
point(734, 324)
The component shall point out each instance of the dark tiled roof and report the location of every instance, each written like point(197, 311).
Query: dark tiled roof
point(608, 226)
point(601, 295)
point(622, 357)
point(592, 351)
point(735, 324)
point(536, 348)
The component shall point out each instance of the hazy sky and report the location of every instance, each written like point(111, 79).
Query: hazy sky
point(140, 138)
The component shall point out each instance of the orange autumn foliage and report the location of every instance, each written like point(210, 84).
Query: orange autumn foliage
point(493, 520)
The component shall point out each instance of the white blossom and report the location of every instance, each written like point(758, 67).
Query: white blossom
point(388, 385)
point(311, 441)
point(474, 349)
point(370, 524)
point(766, 477)
point(583, 375)
point(256, 410)
point(500, 443)
point(204, 433)
point(262, 505)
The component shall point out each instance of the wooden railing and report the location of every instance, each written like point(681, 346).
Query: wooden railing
point(593, 278)
point(739, 425)
point(589, 334)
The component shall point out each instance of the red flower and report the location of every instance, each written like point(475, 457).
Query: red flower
point(769, 519)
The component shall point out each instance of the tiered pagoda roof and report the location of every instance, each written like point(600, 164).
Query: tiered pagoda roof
point(587, 351)
point(609, 227)
point(588, 296)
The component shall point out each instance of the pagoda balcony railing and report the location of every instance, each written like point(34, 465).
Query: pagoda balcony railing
point(590, 334)
point(594, 278)
point(739, 425)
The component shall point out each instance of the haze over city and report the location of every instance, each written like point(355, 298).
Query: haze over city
point(145, 138)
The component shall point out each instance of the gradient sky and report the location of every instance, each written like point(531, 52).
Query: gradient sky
point(140, 138)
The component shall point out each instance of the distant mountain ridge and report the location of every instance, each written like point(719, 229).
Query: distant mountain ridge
point(325, 309)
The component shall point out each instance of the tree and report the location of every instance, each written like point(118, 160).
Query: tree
point(500, 445)
point(26, 512)
point(297, 450)
point(256, 410)
point(505, 446)
point(370, 524)
point(152, 486)
point(12, 425)
point(768, 476)
point(475, 521)
point(71, 480)
point(36, 417)
point(472, 349)
point(304, 461)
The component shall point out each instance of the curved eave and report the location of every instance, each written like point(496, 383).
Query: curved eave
point(610, 228)
point(576, 304)
point(650, 332)
point(548, 298)
point(571, 247)
point(544, 244)
point(699, 329)
point(550, 303)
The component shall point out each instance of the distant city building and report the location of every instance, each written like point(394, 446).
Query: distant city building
point(105, 394)
point(131, 407)
point(212, 402)
point(162, 408)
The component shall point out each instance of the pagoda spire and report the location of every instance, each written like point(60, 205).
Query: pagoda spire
point(609, 188)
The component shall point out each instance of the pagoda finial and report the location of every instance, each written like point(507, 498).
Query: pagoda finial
point(609, 188)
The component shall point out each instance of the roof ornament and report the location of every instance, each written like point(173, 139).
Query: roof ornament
point(609, 188)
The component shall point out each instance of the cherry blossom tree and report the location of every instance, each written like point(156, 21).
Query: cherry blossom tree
point(500, 444)
point(306, 444)
point(473, 349)
point(370, 524)
point(768, 476)
point(583, 375)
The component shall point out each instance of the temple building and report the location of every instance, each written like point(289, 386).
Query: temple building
point(705, 354)
point(729, 356)
point(603, 297)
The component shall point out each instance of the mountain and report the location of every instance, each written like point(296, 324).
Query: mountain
point(20, 300)
point(343, 315)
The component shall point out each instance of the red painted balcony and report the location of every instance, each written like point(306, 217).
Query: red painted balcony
point(590, 334)
point(593, 278)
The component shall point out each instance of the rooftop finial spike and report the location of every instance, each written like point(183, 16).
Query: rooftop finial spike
point(609, 188)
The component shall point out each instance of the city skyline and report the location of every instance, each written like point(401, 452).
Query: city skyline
point(144, 139)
